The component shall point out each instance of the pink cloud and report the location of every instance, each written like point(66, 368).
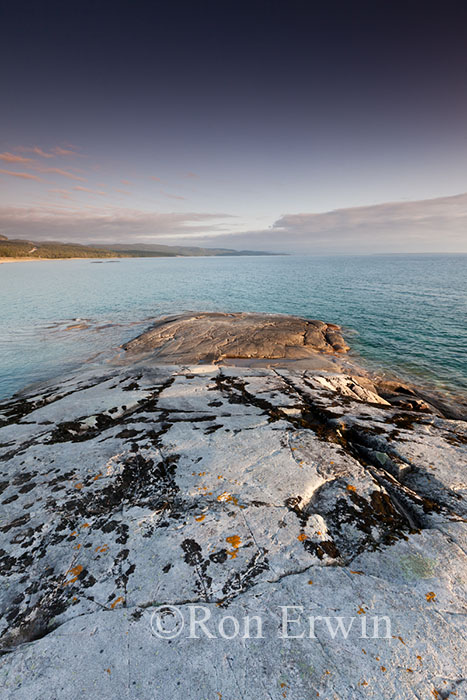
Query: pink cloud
point(55, 151)
point(24, 176)
point(65, 194)
point(126, 182)
point(39, 152)
point(80, 188)
point(12, 158)
point(189, 174)
point(171, 196)
point(153, 177)
point(59, 171)
point(59, 151)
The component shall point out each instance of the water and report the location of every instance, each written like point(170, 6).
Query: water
point(402, 313)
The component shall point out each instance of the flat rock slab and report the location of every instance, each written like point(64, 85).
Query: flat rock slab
point(229, 493)
point(213, 337)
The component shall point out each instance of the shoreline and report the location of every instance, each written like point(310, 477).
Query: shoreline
point(19, 260)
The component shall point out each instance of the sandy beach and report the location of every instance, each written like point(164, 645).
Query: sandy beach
point(19, 260)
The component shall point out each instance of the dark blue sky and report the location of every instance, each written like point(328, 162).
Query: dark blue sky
point(136, 120)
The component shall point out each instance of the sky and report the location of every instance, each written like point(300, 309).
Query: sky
point(294, 126)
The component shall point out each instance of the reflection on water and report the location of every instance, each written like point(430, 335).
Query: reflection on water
point(405, 313)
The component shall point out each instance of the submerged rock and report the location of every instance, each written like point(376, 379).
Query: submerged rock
point(240, 490)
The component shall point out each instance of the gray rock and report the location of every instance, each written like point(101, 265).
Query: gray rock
point(241, 490)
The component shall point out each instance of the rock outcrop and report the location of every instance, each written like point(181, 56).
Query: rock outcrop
point(240, 490)
point(214, 337)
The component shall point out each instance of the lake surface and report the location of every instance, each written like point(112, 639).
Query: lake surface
point(407, 314)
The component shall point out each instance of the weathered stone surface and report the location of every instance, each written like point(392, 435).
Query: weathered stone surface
point(212, 337)
point(242, 489)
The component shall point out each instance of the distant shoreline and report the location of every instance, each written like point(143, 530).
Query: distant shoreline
point(18, 260)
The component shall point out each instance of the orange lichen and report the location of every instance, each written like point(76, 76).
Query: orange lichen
point(200, 518)
point(361, 610)
point(351, 488)
point(383, 668)
point(399, 638)
point(360, 573)
point(409, 670)
point(310, 582)
point(75, 572)
point(102, 549)
point(235, 541)
point(118, 600)
point(302, 537)
point(74, 534)
point(77, 546)
point(227, 498)
point(78, 486)
point(95, 478)
point(430, 596)
point(86, 525)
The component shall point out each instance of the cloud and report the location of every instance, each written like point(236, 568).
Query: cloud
point(434, 225)
point(80, 188)
point(60, 171)
point(191, 175)
point(126, 182)
point(38, 151)
point(12, 158)
point(24, 176)
point(65, 194)
point(93, 224)
point(151, 177)
point(431, 225)
point(59, 151)
point(55, 151)
point(172, 196)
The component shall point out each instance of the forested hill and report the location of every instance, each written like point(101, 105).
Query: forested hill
point(16, 248)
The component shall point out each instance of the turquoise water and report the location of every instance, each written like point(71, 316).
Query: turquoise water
point(403, 313)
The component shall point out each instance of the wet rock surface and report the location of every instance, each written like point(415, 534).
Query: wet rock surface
point(241, 489)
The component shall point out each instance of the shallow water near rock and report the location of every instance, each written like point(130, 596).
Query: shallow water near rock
point(402, 313)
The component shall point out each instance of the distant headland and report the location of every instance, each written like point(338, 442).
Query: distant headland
point(25, 250)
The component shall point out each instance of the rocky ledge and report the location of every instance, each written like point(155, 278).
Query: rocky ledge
point(229, 492)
